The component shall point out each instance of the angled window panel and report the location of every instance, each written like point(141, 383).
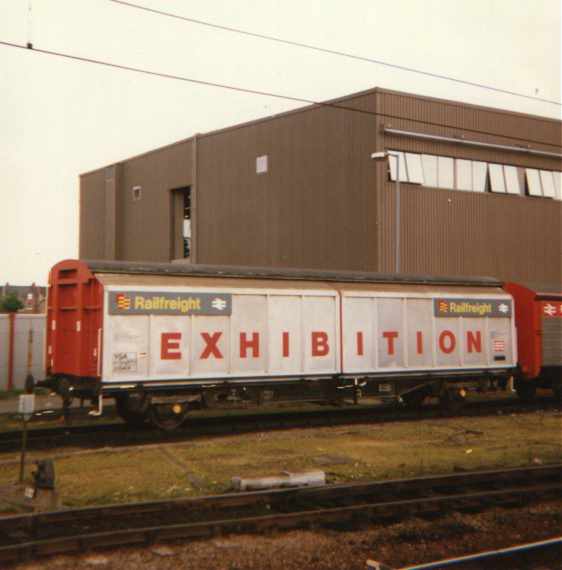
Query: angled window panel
point(522, 180)
point(557, 185)
point(533, 182)
point(393, 167)
point(512, 180)
point(445, 172)
point(497, 181)
point(429, 165)
point(415, 171)
point(547, 182)
point(479, 176)
point(464, 174)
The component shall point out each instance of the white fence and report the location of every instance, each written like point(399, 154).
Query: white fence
point(28, 350)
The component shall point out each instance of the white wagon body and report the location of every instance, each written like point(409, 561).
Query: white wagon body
point(171, 329)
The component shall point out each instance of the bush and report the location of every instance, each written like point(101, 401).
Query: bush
point(10, 303)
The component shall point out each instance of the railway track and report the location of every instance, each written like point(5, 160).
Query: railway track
point(338, 506)
point(100, 435)
point(542, 555)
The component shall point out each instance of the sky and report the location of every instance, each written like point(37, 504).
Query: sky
point(59, 118)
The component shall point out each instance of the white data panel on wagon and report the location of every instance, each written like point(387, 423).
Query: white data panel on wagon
point(170, 346)
point(319, 318)
point(285, 338)
point(126, 348)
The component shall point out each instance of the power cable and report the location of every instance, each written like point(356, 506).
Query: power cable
point(312, 47)
point(238, 89)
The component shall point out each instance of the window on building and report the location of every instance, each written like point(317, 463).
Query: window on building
point(464, 175)
point(557, 176)
point(394, 167)
point(512, 183)
point(533, 182)
point(181, 223)
point(547, 183)
point(479, 176)
point(497, 182)
point(429, 165)
point(414, 168)
point(475, 176)
point(445, 172)
point(262, 164)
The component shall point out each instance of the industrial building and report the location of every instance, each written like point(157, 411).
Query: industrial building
point(480, 193)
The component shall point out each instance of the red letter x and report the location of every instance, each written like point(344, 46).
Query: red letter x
point(211, 348)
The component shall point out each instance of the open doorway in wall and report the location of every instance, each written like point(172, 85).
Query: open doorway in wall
point(181, 224)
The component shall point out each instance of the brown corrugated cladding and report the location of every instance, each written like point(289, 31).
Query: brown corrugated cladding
point(316, 205)
point(467, 233)
point(144, 227)
point(92, 215)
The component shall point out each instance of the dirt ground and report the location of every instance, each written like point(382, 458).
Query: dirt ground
point(346, 453)
point(398, 545)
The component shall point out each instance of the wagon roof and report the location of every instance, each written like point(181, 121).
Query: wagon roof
point(242, 272)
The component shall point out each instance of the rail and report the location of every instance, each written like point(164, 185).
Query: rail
point(34, 535)
point(116, 433)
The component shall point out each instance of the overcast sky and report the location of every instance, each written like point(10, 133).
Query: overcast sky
point(59, 118)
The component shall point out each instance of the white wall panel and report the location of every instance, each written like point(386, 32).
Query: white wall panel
point(499, 334)
point(29, 341)
point(126, 347)
point(285, 334)
point(419, 323)
point(390, 334)
point(170, 345)
point(359, 324)
point(210, 346)
point(473, 338)
point(248, 330)
point(447, 342)
point(319, 317)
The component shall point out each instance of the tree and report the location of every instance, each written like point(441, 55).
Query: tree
point(10, 303)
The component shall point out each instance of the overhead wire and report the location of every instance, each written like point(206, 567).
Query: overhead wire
point(238, 89)
point(316, 48)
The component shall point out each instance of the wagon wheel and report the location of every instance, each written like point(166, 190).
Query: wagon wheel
point(168, 417)
point(452, 400)
point(414, 400)
point(526, 390)
point(132, 412)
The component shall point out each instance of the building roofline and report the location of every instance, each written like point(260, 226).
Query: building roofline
point(323, 104)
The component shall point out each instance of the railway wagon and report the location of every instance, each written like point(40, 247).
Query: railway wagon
point(538, 317)
point(161, 338)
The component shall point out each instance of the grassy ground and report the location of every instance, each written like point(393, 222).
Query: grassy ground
point(348, 453)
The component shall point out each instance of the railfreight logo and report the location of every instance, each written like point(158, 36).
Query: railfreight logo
point(446, 307)
point(166, 303)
